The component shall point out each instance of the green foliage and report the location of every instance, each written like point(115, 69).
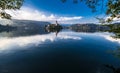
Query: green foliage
point(9, 5)
point(113, 9)
point(101, 20)
point(112, 6)
point(53, 26)
point(5, 15)
point(115, 28)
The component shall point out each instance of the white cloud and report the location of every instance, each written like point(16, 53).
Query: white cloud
point(32, 14)
point(69, 18)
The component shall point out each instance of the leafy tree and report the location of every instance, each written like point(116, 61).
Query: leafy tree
point(9, 5)
point(112, 6)
point(113, 9)
point(101, 20)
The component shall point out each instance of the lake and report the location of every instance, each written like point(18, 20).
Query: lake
point(63, 52)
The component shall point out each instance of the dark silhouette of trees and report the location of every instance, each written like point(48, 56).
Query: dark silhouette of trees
point(113, 9)
point(9, 5)
point(101, 20)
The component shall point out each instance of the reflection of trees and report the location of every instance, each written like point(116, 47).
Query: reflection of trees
point(115, 53)
point(112, 68)
point(53, 30)
point(89, 28)
point(7, 28)
point(116, 36)
point(24, 28)
point(116, 30)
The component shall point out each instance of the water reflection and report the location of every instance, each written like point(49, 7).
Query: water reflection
point(11, 40)
point(112, 68)
point(29, 50)
point(24, 28)
point(111, 38)
point(35, 40)
point(115, 52)
point(56, 31)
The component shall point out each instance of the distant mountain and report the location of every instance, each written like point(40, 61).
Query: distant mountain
point(88, 27)
point(27, 27)
point(6, 28)
point(66, 24)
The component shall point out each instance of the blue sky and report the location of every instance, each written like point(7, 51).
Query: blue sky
point(57, 7)
point(51, 10)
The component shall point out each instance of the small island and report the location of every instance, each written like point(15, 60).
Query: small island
point(53, 27)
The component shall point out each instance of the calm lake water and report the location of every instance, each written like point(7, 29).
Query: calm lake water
point(66, 52)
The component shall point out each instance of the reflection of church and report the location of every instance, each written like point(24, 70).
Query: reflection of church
point(56, 33)
point(57, 23)
point(53, 28)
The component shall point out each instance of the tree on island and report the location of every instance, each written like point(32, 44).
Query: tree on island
point(112, 7)
point(9, 5)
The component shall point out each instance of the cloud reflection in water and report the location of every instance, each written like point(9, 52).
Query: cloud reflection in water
point(110, 38)
point(7, 43)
